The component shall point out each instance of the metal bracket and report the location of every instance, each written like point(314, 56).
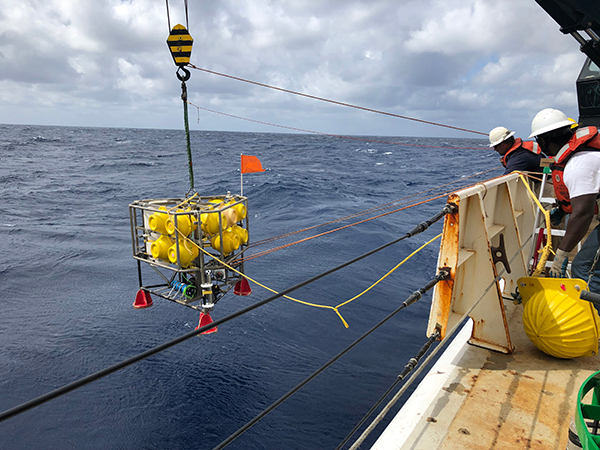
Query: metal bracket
point(499, 254)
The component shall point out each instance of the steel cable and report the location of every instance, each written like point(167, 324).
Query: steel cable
point(266, 252)
point(412, 363)
point(358, 214)
point(411, 299)
point(447, 338)
point(330, 134)
point(134, 359)
point(336, 102)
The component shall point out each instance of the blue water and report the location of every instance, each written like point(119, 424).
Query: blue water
point(68, 279)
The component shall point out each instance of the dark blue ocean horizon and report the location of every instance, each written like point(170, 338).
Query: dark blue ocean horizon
point(68, 280)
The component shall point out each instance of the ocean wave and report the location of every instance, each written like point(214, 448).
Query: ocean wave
point(11, 178)
point(68, 272)
point(45, 139)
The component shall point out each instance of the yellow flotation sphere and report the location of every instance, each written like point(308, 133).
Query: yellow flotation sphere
point(229, 216)
point(187, 253)
point(237, 241)
point(556, 320)
point(241, 232)
point(160, 247)
point(185, 224)
point(240, 209)
point(203, 219)
point(231, 242)
point(157, 221)
point(211, 224)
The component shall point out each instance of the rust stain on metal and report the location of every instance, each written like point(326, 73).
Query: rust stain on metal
point(449, 259)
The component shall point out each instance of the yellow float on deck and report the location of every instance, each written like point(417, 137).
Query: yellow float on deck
point(556, 320)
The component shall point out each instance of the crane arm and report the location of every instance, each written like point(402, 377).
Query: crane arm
point(575, 17)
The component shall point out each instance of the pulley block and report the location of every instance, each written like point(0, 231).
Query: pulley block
point(180, 43)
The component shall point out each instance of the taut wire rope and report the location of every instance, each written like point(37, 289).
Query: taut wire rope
point(418, 229)
point(187, 21)
point(412, 363)
point(196, 332)
point(370, 210)
point(447, 337)
point(349, 105)
point(381, 207)
point(412, 299)
point(266, 252)
point(330, 134)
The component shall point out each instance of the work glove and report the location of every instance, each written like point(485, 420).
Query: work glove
point(559, 265)
point(556, 216)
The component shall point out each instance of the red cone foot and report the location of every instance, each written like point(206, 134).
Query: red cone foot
point(205, 319)
point(242, 287)
point(143, 299)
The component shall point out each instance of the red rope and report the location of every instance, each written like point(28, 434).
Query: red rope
point(367, 211)
point(266, 252)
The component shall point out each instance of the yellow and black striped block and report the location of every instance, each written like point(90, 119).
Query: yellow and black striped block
point(180, 43)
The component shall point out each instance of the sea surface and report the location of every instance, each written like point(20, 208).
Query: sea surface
point(68, 280)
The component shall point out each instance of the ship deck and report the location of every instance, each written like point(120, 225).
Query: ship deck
point(474, 398)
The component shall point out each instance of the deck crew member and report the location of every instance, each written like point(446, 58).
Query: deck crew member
point(516, 154)
point(576, 180)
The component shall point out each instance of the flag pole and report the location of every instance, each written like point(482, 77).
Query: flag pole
point(241, 177)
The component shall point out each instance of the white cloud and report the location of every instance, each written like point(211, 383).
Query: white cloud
point(131, 79)
point(503, 70)
point(468, 63)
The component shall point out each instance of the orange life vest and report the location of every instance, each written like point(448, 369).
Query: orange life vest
point(527, 145)
point(586, 138)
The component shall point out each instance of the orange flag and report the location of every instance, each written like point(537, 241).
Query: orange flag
point(251, 164)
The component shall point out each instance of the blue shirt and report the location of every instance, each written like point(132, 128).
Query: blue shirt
point(523, 160)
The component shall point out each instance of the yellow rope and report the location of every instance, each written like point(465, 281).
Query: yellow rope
point(392, 270)
point(334, 308)
point(187, 200)
point(545, 252)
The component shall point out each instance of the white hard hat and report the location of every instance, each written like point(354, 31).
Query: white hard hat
point(549, 120)
point(499, 135)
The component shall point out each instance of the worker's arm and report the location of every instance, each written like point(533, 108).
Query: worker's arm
point(579, 222)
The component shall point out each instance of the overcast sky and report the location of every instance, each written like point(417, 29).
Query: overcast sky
point(473, 64)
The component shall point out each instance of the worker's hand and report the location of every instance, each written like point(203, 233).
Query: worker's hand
point(559, 265)
point(556, 216)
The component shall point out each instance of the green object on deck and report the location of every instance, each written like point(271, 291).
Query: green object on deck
point(589, 412)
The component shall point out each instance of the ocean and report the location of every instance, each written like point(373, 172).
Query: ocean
point(68, 280)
